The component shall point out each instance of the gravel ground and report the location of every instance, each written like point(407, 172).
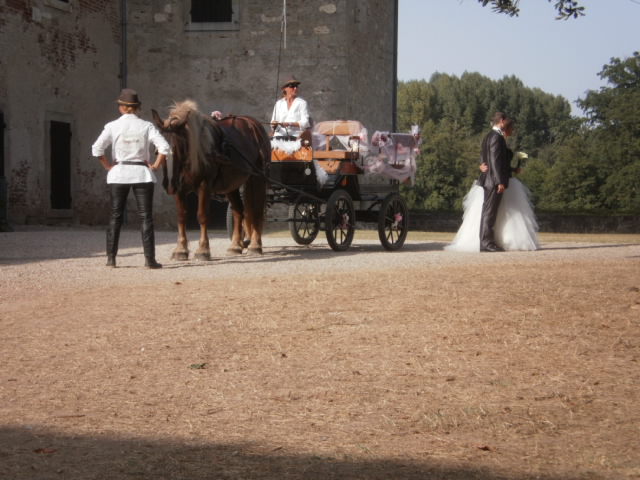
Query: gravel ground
point(310, 364)
point(37, 257)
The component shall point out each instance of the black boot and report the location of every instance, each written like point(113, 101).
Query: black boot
point(118, 194)
point(113, 235)
point(151, 263)
point(149, 246)
point(144, 197)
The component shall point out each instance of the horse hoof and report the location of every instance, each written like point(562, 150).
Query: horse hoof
point(234, 251)
point(254, 251)
point(246, 243)
point(205, 257)
point(180, 256)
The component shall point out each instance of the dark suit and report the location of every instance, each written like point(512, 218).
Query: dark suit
point(497, 156)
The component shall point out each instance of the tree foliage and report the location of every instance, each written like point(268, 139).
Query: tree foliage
point(589, 164)
point(566, 9)
point(455, 113)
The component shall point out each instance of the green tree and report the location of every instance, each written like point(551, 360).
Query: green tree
point(589, 164)
point(444, 165)
point(417, 104)
point(454, 115)
point(572, 182)
point(613, 114)
point(616, 108)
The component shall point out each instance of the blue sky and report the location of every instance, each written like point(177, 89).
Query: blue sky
point(557, 56)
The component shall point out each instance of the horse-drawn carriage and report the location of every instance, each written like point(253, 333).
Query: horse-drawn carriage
point(336, 178)
point(329, 179)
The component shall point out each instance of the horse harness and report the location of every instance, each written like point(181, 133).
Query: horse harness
point(252, 169)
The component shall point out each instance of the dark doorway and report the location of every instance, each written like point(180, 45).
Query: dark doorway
point(2, 125)
point(60, 137)
point(4, 206)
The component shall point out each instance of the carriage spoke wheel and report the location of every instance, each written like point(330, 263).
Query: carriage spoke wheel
point(230, 223)
point(340, 220)
point(304, 221)
point(393, 222)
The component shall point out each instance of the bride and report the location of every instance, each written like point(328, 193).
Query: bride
point(516, 227)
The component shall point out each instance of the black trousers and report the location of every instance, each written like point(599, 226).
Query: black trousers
point(490, 206)
point(143, 193)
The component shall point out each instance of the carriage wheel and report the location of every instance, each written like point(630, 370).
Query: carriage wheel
point(230, 223)
point(393, 222)
point(340, 220)
point(304, 221)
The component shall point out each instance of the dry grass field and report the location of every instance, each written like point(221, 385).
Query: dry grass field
point(307, 364)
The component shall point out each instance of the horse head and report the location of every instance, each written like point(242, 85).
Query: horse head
point(220, 156)
point(194, 141)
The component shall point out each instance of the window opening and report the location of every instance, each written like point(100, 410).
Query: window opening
point(211, 15)
point(64, 5)
point(209, 11)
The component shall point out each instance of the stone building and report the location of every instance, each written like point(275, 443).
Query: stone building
point(63, 62)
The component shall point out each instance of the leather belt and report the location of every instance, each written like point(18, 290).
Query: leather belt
point(142, 164)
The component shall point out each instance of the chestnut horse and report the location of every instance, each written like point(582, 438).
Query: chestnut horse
point(216, 156)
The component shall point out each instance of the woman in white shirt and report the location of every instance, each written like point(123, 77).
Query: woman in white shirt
point(130, 139)
point(290, 114)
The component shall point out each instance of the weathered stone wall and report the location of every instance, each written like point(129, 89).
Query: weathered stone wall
point(61, 61)
point(58, 62)
point(342, 51)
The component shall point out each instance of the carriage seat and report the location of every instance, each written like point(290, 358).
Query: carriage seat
point(327, 145)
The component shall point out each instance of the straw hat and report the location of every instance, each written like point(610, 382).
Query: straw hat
point(291, 81)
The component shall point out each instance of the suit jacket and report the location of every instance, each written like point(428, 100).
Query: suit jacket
point(497, 155)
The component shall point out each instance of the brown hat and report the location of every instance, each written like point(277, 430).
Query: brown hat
point(292, 81)
point(129, 97)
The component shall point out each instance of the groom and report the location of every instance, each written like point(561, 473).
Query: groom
point(495, 178)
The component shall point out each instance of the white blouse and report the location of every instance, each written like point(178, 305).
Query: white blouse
point(298, 113)
point(130, 139)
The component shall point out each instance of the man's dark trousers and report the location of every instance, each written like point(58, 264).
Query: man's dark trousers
point(490, 206)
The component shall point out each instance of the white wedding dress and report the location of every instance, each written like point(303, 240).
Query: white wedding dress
point(516, 227)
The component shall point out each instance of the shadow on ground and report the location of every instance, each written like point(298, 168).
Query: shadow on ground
point(44, 244)
point(31, 453)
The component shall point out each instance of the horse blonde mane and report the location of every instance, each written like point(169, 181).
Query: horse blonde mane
point(180, 110)
point(199, 136)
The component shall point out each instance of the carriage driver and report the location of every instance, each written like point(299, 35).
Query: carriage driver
point(290, 114)
point(130, 139)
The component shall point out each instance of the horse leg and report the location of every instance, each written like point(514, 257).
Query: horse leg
point(203, 252)
point(237, 209)
point(255, 193)
point(181, 252)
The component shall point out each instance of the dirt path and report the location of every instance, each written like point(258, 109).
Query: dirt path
point(307, 364)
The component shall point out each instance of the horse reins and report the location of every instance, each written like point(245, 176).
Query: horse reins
point(252, 170)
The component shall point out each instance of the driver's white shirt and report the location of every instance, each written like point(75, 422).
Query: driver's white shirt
point(130, 139)
point(298, 113)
